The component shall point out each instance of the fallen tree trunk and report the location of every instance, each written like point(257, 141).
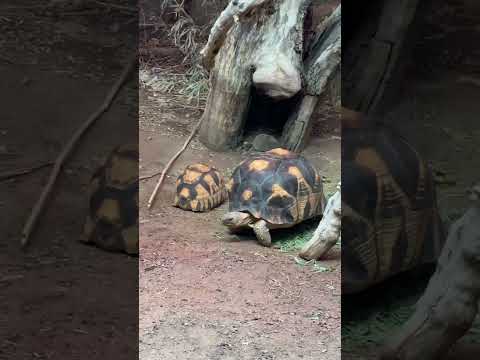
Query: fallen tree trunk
point(322, 64)
point(328, 231)
point(262, 49)
point(449, 305)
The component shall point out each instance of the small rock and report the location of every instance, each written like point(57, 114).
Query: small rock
point(26, 81)
point(265, 142)
point(115, 27)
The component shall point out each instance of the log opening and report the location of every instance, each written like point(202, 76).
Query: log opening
point(268, 115)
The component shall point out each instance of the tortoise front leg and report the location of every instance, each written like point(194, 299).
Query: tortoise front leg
point(262, 232)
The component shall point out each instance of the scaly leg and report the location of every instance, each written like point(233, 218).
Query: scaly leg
point(263, 234)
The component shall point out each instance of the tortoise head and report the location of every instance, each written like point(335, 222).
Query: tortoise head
point(474, 193)
point(237, 220)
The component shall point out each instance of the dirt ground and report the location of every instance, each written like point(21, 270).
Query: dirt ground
point(207, 295)
point(59, 298)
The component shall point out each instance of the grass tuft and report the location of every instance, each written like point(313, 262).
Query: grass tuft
point(368, 317)
point(292, 239)
point(187, 89)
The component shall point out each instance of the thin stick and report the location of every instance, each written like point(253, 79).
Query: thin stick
point(146, 177)
point(115, 6)
point(29, 225)
point(19, 172)
point(169, 164)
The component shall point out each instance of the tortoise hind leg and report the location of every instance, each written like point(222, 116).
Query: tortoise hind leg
point(262, 232)
point(88, 230)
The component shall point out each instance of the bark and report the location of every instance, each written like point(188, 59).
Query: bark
point(299, 124)
point(450, 303)
point(321, 66)
point(328, 231)
point(370, 67)
point(220, 28)
point(262, 48)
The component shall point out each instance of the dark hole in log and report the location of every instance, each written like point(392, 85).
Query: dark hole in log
point(268, 116)
point(359, 17)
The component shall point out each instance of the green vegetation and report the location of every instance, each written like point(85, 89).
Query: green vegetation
point(368, 317)
point(292, 239)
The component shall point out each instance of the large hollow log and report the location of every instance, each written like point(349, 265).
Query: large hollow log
point(449, 305)
point(261, 49)
point(321, 66)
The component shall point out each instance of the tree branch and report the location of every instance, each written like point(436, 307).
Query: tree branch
point(328, 231)
point(231, 14)
point(448, 307)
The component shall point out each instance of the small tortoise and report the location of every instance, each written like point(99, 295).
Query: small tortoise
point(200, 188)
point(275, 189)
point(112, 221)
point(390, 219)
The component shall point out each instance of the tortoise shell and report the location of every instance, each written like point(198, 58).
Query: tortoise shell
point(390, 219)
point(278, 186)
point(200, 188)
point(112, 220)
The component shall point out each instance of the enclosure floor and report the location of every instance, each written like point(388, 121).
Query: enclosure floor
point(52, 296)
point(206, 295)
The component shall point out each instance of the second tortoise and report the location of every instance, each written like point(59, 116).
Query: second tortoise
point(200, 188)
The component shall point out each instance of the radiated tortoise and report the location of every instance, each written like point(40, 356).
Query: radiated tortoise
point(390, 219)
point(200, 188)
point(275, 189)
point(112, 220)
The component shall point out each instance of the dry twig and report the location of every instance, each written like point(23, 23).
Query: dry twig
point(116, 6)
point(146, 177)
point(36, 212)
point(169, 164)
point(19, 172)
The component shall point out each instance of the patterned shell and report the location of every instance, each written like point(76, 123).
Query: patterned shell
point(278, 186)
point(200, 188)
point(390, 220)
point(112, 221)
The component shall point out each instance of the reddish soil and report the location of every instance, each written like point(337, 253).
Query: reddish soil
point(60, 299)
point(205, 294)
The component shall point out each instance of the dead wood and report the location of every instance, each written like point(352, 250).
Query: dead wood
point(328, 231)
point(371, 57)
point(6, 175)
point(448, 307)
point(223, 24)
point(321, 66)
point(262, 51)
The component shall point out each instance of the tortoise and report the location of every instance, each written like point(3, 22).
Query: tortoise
point(390, 218)
point(275, 189)
point(112, 220)
point(200, 188)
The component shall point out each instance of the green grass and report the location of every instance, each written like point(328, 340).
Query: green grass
point(369, 317)
point(292, 239)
